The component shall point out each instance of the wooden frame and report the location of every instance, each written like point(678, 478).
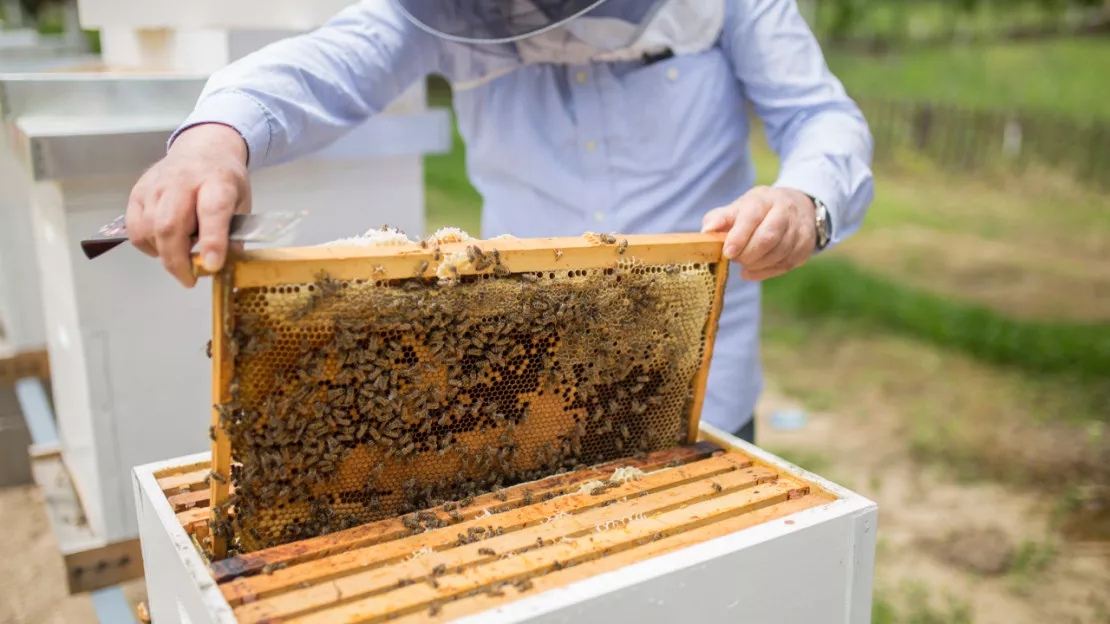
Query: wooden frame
point(790, 531)
point(22, 364)
point(272, 267)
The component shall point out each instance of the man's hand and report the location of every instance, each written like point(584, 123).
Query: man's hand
point(770, 231)
point(200, 183)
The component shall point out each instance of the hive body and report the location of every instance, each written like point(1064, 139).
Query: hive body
point(375, 389)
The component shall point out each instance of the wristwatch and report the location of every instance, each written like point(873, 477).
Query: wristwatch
point(824, 224)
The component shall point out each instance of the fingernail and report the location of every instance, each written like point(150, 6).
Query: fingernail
point(730, 251)
point(211, 261)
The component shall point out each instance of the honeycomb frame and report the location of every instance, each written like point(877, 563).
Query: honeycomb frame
point(544, 271)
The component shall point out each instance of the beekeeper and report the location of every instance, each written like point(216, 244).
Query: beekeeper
point(622, 116)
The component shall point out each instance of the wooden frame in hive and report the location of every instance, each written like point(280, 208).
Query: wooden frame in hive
point(503, 366)
point(708, 532)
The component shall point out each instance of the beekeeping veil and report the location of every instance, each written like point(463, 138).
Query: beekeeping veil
point(604, 24)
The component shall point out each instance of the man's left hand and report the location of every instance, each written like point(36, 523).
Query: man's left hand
point(770, 231)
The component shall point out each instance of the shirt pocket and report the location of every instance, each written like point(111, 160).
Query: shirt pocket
point(676, 108)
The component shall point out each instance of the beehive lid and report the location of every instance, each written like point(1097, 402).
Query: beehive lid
point(356, 383)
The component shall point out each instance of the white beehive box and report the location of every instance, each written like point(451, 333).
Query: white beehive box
point(126, 343)
point(802, 554)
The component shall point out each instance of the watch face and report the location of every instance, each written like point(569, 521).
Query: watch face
point(823, 233)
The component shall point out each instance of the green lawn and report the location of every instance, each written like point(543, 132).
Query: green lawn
point(1063, 76)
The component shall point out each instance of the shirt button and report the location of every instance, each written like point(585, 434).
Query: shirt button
point(581, 77)
point(599, 216)
point(672, 74)
point(591, 146)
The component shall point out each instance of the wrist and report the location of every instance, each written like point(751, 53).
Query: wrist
point(214, 139)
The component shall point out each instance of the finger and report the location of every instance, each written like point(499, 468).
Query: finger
point(719, 219)
point(750, 212)
point(769, 243)
point(765, 274)
point(138, 231)
point(174, 223)
point(215, 205)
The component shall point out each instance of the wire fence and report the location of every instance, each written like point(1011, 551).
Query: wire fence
point(880, 25)
point(972, 140)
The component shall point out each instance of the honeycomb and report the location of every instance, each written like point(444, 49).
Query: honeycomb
point(363, 399)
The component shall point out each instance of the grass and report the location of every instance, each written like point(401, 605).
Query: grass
point(451, 199)
point(806, 460)
point(900, 22)
point(836, 287)
point(1030, 560)
point(1060, 76)
point(913, 605)
point(971, 419)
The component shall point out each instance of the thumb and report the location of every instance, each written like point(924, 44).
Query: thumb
point(719, 219)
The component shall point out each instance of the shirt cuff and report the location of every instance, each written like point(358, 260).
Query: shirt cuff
point(239, 111)
point(819, 181)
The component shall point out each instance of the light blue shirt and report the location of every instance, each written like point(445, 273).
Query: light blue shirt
point(557, 150)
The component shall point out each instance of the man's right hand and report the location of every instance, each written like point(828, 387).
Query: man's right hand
point(200, 183)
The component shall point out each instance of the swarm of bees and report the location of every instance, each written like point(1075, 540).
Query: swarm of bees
point(393, 375)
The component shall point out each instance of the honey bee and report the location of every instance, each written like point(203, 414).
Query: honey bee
point(219, 478)
point(433, 583)
point(623, 246)
point(208, 349)
point(423, 268)
point(212, 432)
point(608, 239)
point(434, 609)
point(494, 592)
point(529, 277)
point(439, 570)
point(716, 486)
point(489, 552)
point(524, 585)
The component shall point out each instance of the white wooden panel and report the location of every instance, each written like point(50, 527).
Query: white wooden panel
point(226, 14)
point(178, 585)
point(20, 299)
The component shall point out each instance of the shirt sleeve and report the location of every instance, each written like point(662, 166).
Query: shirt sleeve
point(819, 133)
point(295, 96)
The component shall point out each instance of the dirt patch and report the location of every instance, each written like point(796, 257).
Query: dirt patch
point(1058, 284)
point(921, 506)
point(32, 576)
point(34, 585)
point(952, 450)
point(987, 551)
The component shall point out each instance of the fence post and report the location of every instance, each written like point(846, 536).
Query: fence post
point(922, 125)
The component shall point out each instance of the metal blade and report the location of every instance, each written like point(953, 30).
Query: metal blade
point(254, 228)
